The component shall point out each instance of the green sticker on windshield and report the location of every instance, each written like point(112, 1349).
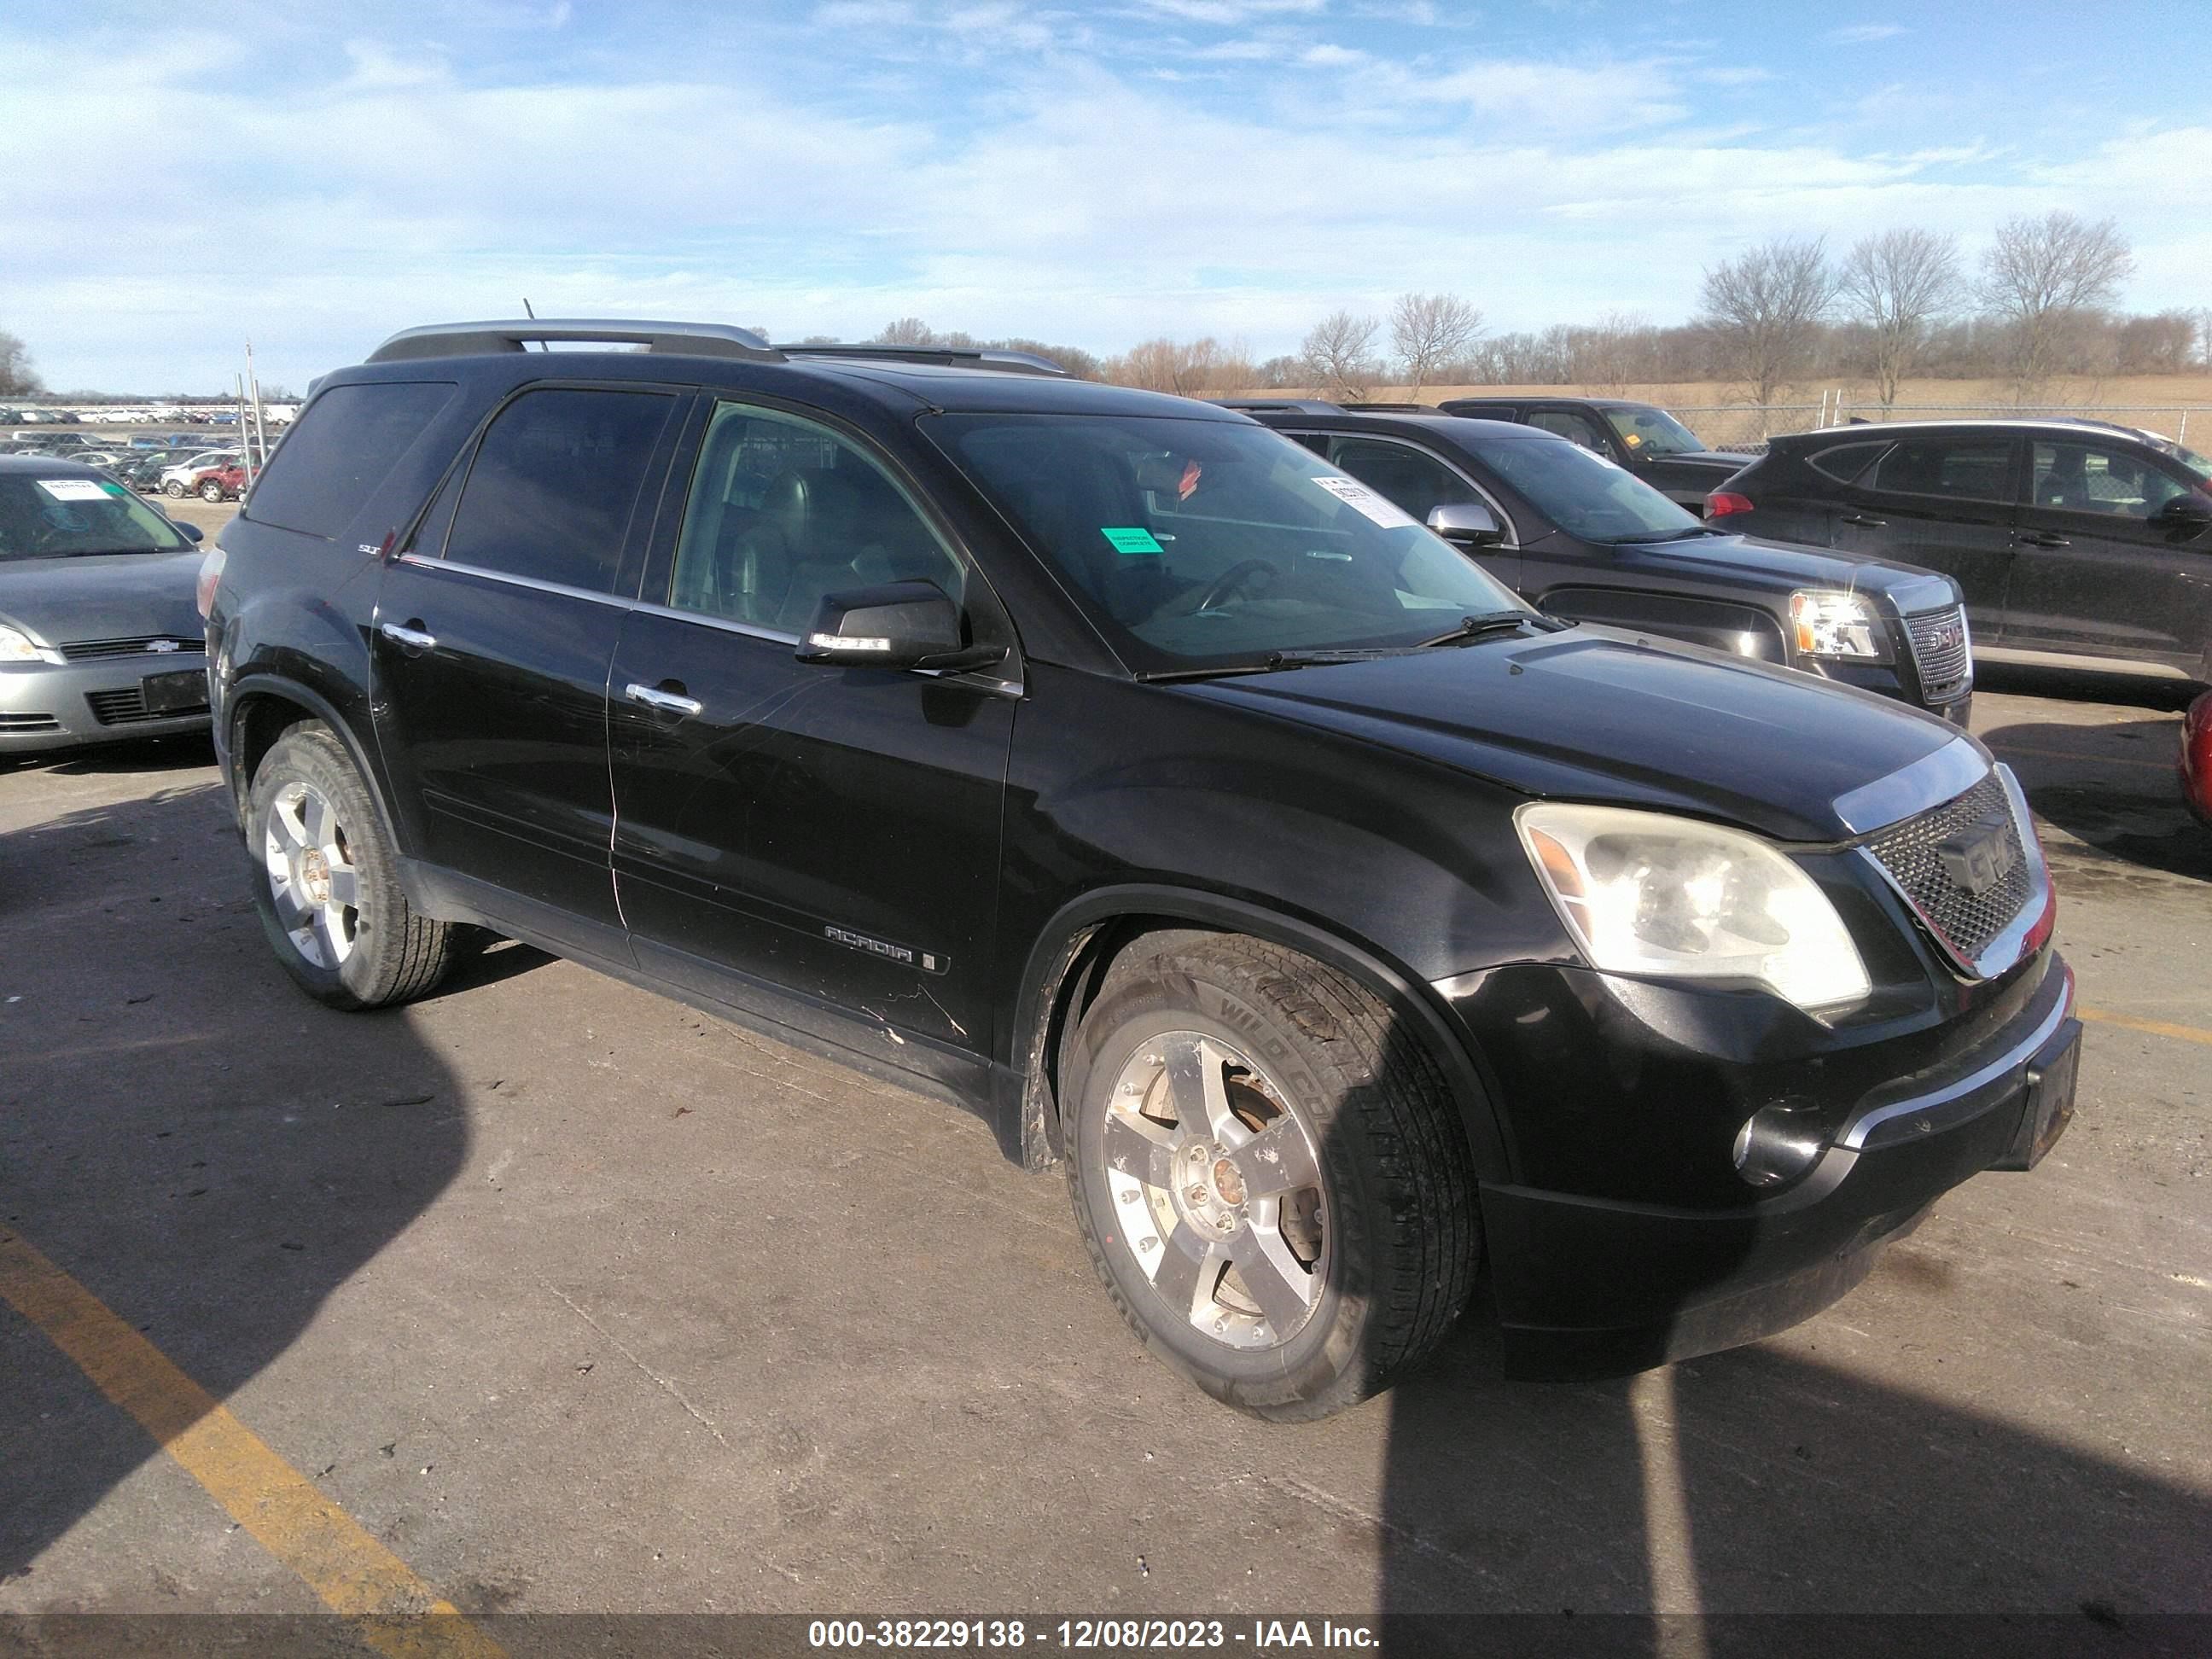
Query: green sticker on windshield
point(1132, 539)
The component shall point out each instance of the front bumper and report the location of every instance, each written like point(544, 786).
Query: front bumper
point(1588, 1286)
point(46, 706)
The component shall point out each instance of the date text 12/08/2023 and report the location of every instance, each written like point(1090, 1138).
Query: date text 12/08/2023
point(1254, 1635)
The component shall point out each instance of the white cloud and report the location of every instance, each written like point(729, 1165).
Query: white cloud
point(1231, 13)
point(1860, 34)
point(1331, 57)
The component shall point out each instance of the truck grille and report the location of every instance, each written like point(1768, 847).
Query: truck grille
point(89, 650)
point(124, 707)
point(1925, 856)
point(1941, 651)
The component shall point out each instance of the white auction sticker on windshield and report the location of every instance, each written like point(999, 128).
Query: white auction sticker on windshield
point(73, 489)
point(1365, 503)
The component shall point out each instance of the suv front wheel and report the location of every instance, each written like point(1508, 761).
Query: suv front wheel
point(1268, 1175)
point(326, 885)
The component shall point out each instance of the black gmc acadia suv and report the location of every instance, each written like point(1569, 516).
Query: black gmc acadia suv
point(1126, 772)
point(1581, 538)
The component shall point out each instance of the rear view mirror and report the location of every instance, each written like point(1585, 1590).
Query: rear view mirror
point(1465, 524)
point(895, 625)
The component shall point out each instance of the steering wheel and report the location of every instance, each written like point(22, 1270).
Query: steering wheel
point(1229, 580)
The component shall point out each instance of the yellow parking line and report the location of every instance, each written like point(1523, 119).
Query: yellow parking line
point(2155, 1027)
point(353, 1574)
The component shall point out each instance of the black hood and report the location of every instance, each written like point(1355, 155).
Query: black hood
point(1739, 561)
point(108, 597)
point(1592, 714)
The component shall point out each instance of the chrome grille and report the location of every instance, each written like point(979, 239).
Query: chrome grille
point(89, 650)
point(1941, 651)
point(1913, 853)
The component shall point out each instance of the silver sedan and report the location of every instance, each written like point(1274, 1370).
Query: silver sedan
point(100, 637)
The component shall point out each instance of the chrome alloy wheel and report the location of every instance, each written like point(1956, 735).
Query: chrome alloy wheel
point(1216, 1184)
point(312, 874)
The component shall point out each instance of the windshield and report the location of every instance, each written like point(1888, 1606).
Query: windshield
point(1214, 542)
point(53, 518)
point(1586, 495)
point(1654, 431)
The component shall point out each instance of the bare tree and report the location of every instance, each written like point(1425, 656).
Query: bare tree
point(907, 330)
point(1619, 351)
point(18, 377)
point(1189, 369)
point(1898, 285)
point(1763, 310)
point(2041, 275)
point(1428, 331)
point(1339, 351)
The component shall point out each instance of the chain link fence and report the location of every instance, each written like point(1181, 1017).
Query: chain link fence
point(1748, 426)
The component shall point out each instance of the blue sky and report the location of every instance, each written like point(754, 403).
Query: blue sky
point(174, 180)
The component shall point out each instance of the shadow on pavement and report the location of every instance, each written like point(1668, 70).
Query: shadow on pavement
point(205, 1150)
point(2074, 686)
point(2114, 788)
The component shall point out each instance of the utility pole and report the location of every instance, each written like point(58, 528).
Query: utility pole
point(260, 444)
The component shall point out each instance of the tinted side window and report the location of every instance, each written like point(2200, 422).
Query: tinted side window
point(1846, 462)
point(2083, 478)
point(1575, 428)
point(1955, 469)
point(782, 512)
point(344, 444)
point(1415, 482)
point(551, 493)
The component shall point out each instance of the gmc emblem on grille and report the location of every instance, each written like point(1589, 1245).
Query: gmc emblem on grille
point(1945, 638)
point(1980, 855)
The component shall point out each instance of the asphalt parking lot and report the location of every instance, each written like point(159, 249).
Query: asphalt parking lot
point(565, 1297)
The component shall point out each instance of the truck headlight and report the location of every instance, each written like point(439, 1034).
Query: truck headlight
point(1666, 897)
point(1829, 623)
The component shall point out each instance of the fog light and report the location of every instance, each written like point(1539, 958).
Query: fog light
point(1780, 1143)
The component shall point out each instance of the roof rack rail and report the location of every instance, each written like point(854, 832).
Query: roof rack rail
point(1013, 362)
point(1294, 405)
point(1378, 408)
point(476, 339)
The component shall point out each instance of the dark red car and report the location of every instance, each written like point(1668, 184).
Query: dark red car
point(219, 483)
point(2197, 758)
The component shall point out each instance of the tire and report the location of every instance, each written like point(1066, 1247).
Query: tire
point(1339, 1284)
point(176, 488)
point(211, 491)
point(310, 826)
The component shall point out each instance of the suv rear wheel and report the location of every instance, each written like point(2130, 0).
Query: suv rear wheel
point(327, 890)
point(1268, 1175)
point(176, 488)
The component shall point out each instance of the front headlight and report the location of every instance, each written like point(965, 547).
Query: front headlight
point(16, 646)
point(1828, 623)
point(1646, 893)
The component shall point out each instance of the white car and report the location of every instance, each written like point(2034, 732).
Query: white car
point(176, 481)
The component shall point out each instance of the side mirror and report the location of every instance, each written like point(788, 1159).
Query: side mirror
point(191, 530)
point(2191, 512)
point(1465, 524)
point(895, 625)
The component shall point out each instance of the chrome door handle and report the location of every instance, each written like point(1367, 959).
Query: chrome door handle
point(412, 639)
point(2042, 538)
point(1864, 522)
point(667, 701)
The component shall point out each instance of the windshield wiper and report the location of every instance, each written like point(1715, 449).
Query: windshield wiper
point(1276, 661)
point(1493, 622)
point(1666, 536)
point(104, 552)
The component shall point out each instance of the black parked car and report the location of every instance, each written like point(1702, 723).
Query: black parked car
point(1642, 437)
point(1583, 539)
point(1118, 767)
point(2078, 544)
